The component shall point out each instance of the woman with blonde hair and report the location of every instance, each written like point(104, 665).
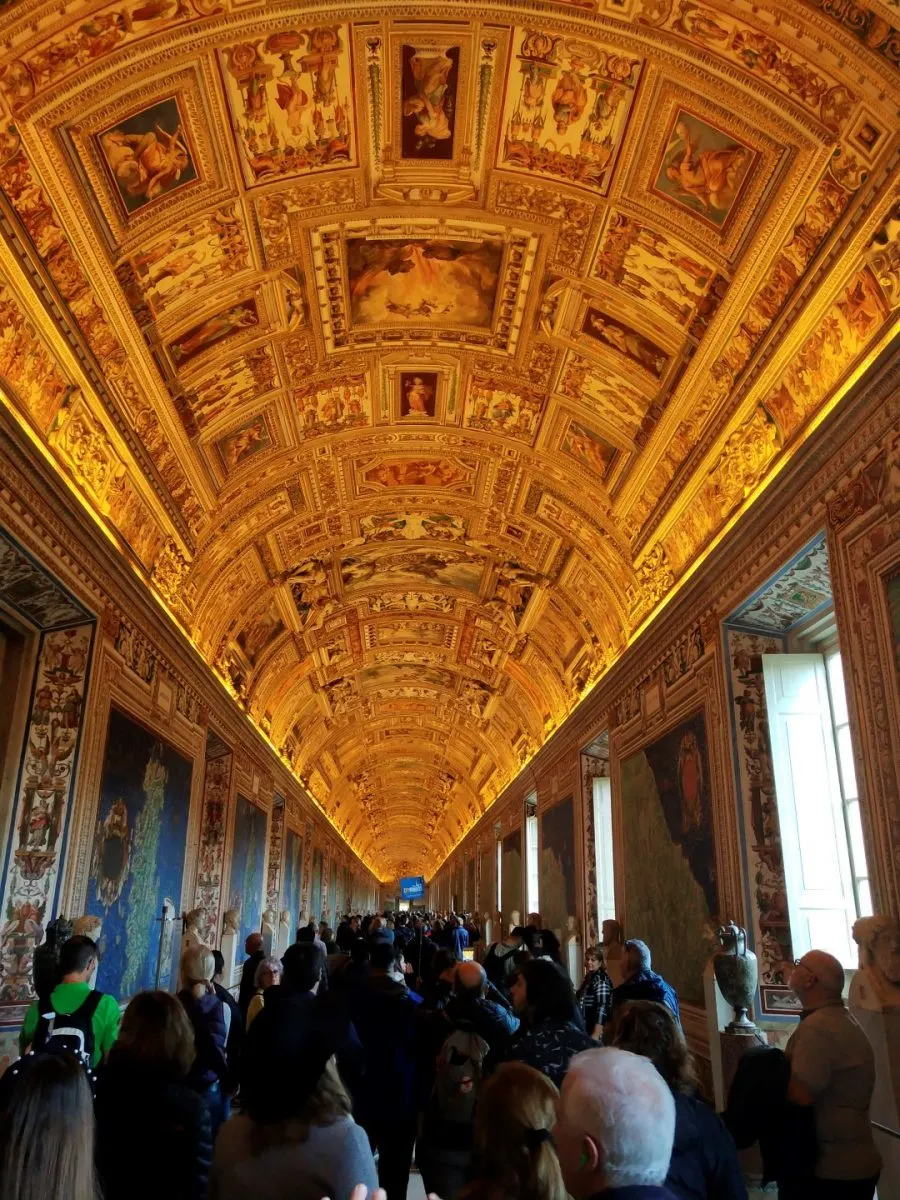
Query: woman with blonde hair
point(209, 1073)
point(47, 1133)
point(268, 974)
point(514, 1155)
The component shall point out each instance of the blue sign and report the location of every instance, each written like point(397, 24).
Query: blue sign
point(412, 888)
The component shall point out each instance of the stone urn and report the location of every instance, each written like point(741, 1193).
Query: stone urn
point(736, 974)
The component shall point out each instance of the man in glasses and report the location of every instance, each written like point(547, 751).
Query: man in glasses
point(833, 1071)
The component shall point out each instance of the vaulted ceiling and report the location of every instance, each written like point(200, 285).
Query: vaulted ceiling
point(414, 354)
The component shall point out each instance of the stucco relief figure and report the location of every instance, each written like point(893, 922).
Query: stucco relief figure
point(877, 983)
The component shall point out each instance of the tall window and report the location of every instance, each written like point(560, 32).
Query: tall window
point(840, 721)
point(532, 884)
point(826, 877)
point(603, 850)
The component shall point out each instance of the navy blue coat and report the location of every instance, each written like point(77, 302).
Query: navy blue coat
point(704, 1162)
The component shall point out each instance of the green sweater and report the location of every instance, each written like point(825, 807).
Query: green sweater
point(66, 998)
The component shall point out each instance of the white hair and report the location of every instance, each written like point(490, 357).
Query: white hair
point(621, 1101)
point(267, 964)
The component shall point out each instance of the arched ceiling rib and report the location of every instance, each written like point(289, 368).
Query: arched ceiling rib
point(424, 339)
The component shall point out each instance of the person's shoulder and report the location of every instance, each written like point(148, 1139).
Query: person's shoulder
point(108, 1006)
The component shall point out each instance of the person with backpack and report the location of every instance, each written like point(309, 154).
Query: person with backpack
point(499, 962)
point(79, 1018)
point(470, 1028)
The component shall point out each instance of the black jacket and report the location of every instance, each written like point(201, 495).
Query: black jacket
point(704, 1162)
point(248, 981)
point(328, 1012)
point(758, 1111)
point(235, 1035)
point(386, 1019)
point(153, 1135)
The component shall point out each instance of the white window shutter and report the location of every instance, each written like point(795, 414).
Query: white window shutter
point(810, 812)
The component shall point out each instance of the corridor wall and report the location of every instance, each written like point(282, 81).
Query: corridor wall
point(662, 719)
point(130, 776)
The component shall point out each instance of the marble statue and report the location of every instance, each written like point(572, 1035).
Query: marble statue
point(874, 1001)
point(231, 935)
point(877, 982)
point(612, 940)
point(190, 937)
point(268, 931)
point(284, 931)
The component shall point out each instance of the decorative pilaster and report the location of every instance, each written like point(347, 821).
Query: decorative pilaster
point(40, 820)
point(276, 856)
point(211, 863)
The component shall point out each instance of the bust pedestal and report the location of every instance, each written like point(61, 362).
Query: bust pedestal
point(230, 943)
point(880, 1021)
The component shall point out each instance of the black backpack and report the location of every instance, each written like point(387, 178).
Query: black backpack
point(70, 1034)
point(500, 967)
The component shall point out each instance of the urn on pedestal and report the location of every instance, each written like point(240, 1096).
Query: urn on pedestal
point(736, 974)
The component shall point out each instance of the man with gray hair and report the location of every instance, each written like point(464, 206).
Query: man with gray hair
point(833, 1072)
point(639, 982)
point(615, 1127)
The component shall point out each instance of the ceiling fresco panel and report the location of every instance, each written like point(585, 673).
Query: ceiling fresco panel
point(413, 357)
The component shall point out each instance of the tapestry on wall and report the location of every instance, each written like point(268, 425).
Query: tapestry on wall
point(248, 858)
point(315, 894)
point(469, 901)
point(511, 875)
point(667, 822)
point(137, 858)
point(558, 866)
point(293, 877)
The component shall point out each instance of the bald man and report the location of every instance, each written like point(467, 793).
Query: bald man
point(833, 1071)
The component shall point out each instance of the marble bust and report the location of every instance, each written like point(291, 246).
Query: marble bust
point(877, 982)
point(232, 921)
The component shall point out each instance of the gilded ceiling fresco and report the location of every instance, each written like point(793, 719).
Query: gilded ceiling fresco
point(414, 355)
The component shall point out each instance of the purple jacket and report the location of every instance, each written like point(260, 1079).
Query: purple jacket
point(207, 1015)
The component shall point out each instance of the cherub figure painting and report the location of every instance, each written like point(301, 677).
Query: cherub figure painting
point(148, 155)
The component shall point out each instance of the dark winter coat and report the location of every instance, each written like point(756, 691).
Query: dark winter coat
point(153, 1135)
point(207, 1015)
point(704, 1162)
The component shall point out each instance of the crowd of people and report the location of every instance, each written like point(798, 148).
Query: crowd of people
point(393, 1042)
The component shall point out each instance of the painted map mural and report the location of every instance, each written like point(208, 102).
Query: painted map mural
point(248, 859)
point(137, 860)
point(293, 875)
